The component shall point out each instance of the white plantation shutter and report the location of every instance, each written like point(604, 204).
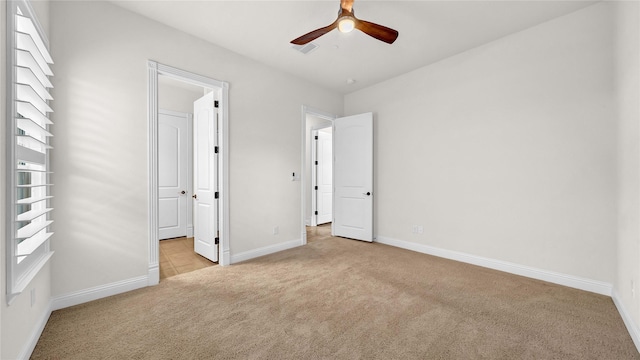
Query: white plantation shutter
point(29, 188)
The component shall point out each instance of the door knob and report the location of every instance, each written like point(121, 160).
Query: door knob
point(367, 193)
point(195, 196)
point(182, 192)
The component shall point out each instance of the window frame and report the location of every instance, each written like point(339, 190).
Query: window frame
point(19, 273)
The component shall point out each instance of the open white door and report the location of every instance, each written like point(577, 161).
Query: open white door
point(353, 177)
point(173, 167)
point(205, 187)
point(324, 177)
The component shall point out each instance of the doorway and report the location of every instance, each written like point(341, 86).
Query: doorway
point(157, 73)
point(352, 174)
point(179, 253)
point(312, 121)
point(321, 176)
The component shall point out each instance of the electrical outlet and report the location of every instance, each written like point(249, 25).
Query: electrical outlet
point(33, 297)
point(276, 230)
point(420, 229)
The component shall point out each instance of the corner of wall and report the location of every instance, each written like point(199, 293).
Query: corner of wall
point(629, 322)
point(626, 73)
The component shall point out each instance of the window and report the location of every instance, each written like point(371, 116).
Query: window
point(28, 172)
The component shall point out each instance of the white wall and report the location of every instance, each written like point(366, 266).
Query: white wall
point(627, 75)
point(20, 323)
point(506, 151)
point(100, 159)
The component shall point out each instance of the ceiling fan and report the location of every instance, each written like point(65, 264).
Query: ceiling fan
point(346, 22)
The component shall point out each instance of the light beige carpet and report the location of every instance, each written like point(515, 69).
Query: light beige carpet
point(342, 299)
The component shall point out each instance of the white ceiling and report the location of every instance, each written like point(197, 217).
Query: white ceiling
point(429, 31)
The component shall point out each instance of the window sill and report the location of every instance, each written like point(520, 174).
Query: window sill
point(26, 278)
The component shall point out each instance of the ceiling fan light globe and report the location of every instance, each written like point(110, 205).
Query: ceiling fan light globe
point(346, 24)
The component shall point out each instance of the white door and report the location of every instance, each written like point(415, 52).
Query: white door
point(205, 162)
point(173, 167)
point(324, 177)
point(353, 177)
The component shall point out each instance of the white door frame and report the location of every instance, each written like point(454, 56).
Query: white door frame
point(154, 70)
point(307, 110)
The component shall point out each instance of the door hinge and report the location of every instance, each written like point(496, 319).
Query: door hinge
point(215, 149)
point(316, 137)
point(316, 213)
point(316, 188)
point(216, 104)
point(217, 241)
point(316, 162)
point(216, 194)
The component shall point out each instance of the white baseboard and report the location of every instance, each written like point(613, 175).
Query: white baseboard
point(35, 335)
point(76, 298)
point(594, 286)
point(225, 258)
point(98, 292)
point(154, 275)
point(247, 255)
point(632, 327)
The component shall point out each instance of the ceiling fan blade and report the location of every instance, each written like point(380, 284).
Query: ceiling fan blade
point(308, 37)
point(379, 32)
